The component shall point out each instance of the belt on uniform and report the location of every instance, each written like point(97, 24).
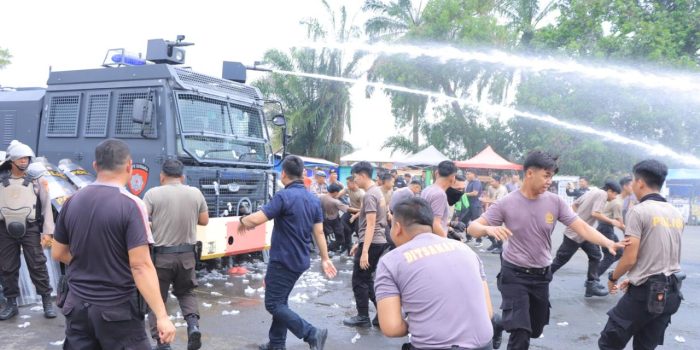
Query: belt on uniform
point(182, 248)
point(539, 271)
point(409, 346)
point(675, 280)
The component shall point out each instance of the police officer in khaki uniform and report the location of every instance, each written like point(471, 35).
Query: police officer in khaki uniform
point(25, 209)
point(652, 264)
point(175, 210)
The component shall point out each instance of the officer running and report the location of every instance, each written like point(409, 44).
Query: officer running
point(26, 223)
point(297, 213)
point(589, 207)
point(370, 247)
point(102, 234)
point(652, 264)
point(525, 266)
point(175, 210)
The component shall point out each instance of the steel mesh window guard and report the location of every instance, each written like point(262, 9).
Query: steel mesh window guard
point(63, 116)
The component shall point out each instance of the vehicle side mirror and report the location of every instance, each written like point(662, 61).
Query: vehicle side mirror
point(279, 120)
point(142, 112)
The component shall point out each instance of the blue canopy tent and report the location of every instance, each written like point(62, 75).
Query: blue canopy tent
point(310, 164)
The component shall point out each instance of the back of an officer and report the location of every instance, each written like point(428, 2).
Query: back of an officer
point(102, 234)
point(175, 210)
point(652, 264)
point(437, 282)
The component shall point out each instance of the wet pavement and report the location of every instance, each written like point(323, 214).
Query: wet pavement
point(234, 316)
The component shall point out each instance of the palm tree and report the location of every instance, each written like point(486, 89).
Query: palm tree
point(393, 19)
point(318, 110)
point(524, 16)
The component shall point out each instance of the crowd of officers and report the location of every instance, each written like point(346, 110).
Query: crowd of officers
point(408, 257)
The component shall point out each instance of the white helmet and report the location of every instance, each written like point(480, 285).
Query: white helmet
point(17, 150)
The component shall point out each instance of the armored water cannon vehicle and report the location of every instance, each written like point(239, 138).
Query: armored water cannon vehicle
point(216, 126)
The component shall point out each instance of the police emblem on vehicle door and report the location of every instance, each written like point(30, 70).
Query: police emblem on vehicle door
point(139, 178)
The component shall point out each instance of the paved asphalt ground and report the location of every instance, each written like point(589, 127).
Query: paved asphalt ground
point(575, 323)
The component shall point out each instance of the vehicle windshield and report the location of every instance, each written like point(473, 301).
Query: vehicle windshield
point(219, 130)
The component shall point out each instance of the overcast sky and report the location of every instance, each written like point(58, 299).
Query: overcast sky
point(76, 34)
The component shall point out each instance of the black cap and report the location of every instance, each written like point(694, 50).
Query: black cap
point(612, 185)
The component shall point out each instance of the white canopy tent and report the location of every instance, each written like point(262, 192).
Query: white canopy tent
point(425, 158)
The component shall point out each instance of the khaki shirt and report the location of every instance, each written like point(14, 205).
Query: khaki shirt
point(174, 210)
point(592, 201)
point(659, 227)
point(613, 209)
point(356, 197)
point(331, 206)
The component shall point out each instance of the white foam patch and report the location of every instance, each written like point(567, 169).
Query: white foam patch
point(24, 325)
point(355, 338)
point(230, 313)
point(57, 343)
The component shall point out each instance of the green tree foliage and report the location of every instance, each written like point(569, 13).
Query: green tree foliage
point(598, 30)
point(648, 33)
point(4, 57)
point(318, 111)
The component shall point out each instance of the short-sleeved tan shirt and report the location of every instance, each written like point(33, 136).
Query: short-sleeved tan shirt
point(174, 210)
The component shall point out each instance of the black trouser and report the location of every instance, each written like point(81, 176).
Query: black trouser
point(631, 317)
point(348, 229)
point(568, 248)
point(97, 327)
point(177, 269)
point(334, 232)
point(608, 259)
point(363, 280)
point(525, 303)
point(34, 256)
point(409, 346)
point(279, 282)
point(389, 240)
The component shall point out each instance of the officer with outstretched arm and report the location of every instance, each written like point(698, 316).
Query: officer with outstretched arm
point(651, 262)
point(525, 220)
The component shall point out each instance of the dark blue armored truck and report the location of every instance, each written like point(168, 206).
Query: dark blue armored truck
point(215, 126)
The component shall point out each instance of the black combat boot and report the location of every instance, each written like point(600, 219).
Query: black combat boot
point(194, 336)
point(497, 325)
point(10, 310)
point(593, 289)
point(358, 321)
point(162, 346)
point(49, 312)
